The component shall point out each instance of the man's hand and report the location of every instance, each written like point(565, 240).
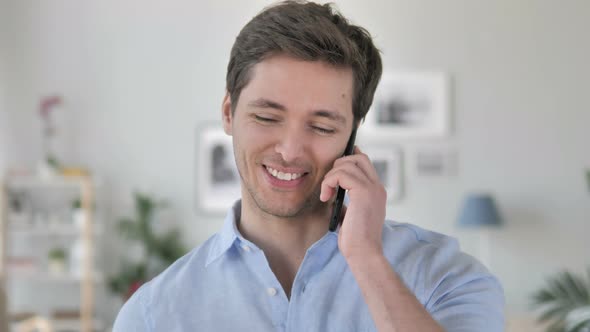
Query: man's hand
point(392, 306)
point(360, 234)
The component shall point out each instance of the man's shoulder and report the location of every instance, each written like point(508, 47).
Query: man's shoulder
point(416, 238)
point(445, 279)
point(179, 275)
point(429, 261)
point(169, 289)
point(409, 244)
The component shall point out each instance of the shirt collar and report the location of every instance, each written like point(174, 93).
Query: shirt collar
point(228, 234)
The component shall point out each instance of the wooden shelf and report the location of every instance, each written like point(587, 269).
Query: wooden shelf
point(52, 230)
point(86, 232)
point(58, 324)
point(32, 182)
point(47, 277)
point(74, 324)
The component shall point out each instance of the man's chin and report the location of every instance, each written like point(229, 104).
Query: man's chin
point(287, 209)
point(283, 210)
point(285, 205)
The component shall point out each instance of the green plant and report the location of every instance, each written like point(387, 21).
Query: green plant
point(53, 162)
point(565, 303)
point(57, 254)
point(76, 204)
point(160, 250)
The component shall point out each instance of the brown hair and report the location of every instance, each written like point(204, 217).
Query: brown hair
point(310, 32)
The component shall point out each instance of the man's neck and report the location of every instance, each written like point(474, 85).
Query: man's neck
point(284, 241)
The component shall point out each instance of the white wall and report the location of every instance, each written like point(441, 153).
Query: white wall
point(520, 73)
point(139, 77)
point(3, 117)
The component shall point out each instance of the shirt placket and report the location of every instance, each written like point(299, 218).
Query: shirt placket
point(315, 258)
point(270, 288)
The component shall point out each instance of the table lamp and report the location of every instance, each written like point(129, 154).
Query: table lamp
point(479, 211)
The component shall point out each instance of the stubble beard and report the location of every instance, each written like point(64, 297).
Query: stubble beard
point(310, 205)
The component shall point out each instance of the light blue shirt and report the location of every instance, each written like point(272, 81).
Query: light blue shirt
point(226, 284)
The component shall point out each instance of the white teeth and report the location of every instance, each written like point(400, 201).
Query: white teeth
point(283, 176)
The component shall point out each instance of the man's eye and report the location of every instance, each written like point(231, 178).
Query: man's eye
point(264, 119)
point(323, 130)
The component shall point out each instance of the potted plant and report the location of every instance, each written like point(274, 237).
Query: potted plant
point(77, 213)
point(57, 260)
point(49, 165)
point(158, 251)
point(564, 303)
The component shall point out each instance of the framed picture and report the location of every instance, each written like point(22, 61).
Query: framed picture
point(388, 164)
point(436, 162)
point(217, 181)
point(410, 105)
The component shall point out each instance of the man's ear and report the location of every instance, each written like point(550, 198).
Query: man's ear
point(226, 114)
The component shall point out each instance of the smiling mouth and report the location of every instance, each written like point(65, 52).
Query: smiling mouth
point(283, 176)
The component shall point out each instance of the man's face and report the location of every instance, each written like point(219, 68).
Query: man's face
point(291, 123)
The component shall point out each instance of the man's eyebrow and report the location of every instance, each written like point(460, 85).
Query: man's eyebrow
point(330, 115)
point(266, 103)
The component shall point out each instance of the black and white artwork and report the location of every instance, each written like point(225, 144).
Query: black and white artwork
point(388, 164)
point(436, 162)
point(410, 104)
point(217, 180)
point(222, 165)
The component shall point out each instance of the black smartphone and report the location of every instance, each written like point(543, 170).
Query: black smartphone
point(337, 208)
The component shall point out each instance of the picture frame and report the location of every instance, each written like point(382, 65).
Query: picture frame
point(389, 166)
point(436, 161)
point(410, 104)
point(217, 181)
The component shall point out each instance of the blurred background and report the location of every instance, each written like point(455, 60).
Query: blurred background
point(119, 94)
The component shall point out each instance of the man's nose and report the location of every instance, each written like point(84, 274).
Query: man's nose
point(291, 144)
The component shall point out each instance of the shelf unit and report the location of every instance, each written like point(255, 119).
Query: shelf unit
point(85, 233)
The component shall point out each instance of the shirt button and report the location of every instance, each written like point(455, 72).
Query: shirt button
point(246, 248)
point(271, 291)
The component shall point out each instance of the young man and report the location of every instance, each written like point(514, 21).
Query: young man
point(300, 78)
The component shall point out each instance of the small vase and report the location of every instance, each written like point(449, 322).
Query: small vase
point(45, 171)
point(57, 266)
point(78, 218)
point(77, 258)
